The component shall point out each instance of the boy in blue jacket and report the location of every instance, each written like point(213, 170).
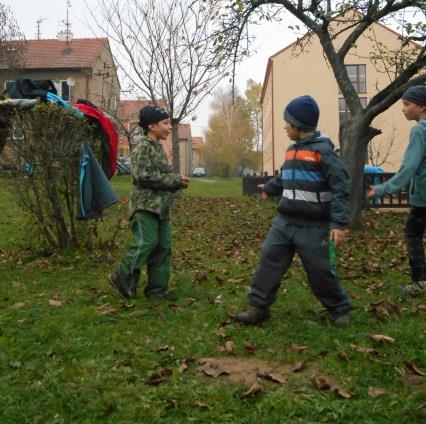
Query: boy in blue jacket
point(312, 215)
point(413, 172)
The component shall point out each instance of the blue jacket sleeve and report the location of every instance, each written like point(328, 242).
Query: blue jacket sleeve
point(413, 158)
point(338, 181)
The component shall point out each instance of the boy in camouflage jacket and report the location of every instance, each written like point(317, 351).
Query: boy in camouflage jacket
point(153, 189)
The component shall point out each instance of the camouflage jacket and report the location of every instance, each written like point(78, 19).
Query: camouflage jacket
point(153, 183)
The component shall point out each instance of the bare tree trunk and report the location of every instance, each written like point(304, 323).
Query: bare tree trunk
point(175, 147)
point(354, 154)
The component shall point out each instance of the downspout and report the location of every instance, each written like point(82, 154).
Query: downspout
point(87, 72)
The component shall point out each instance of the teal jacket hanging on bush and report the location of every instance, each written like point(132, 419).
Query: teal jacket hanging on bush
point(96, 192)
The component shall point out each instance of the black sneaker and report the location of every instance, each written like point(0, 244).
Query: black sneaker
point(253, 315)
point(115, 282)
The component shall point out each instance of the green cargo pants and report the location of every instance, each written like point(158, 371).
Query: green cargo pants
point(151, 245)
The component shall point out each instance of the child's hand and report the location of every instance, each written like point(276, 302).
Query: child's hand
point(184, 181)
point(371, 193)
point(338, 236)
point(264, 196)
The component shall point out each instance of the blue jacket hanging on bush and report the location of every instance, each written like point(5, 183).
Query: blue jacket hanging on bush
point(96, 192)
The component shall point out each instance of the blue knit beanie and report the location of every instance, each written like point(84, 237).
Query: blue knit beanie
point(416, 94)
point(302, 112)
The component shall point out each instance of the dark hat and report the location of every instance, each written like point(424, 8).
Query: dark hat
point(416, 94)
point(151, 115)
point(303, 113)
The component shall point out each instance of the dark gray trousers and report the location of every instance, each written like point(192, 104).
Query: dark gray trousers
point(414, 232)
point(317, 254)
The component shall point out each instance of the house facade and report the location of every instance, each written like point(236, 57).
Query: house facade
point(197, 152)
point(80, 68)
point(292, 72)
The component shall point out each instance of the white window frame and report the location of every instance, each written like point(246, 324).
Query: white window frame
point(58, 86)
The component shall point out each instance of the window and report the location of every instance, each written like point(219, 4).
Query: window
point(8, 84)
point(344, 112)
point(63, 89)
point(357, 77)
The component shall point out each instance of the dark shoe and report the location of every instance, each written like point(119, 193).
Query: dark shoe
point(117, 284)
point(340, 321)
point(253, 315)
point(417, 288)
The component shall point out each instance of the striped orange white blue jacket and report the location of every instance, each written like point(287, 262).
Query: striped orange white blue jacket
point(313, 183)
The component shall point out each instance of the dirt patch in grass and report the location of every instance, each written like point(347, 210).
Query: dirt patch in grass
point(248, 370)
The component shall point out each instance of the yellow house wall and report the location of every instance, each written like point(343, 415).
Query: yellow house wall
point(267, 126)
point(105, 87)
point(296, 74)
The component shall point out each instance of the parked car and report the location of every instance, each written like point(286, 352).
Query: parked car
point(199, 172)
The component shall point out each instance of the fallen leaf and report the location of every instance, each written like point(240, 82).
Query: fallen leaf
point(341, 393)
point(249, 347)
point(183, 367)
point(411, 367)
point(49, 353)
point(295, 348)
point(275, 377)
point(162, 348)
point(220, 333)
point(380, 338)
point(252, 392)
point(362, 349)
point(174, 306)
point(18, 305)
point(54, 302)
point(375, 392)
point(160, 375)
point(343, 356)
point(229, 346)
point(190, 301)
point(211, 370)
point(320, 383)
point(202, 405)
point(298, 366)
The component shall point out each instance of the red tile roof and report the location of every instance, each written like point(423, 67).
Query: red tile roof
point(77, 53)
point(197, 142)
point(129, 109)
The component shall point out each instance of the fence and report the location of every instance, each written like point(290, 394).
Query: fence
point(398, 200)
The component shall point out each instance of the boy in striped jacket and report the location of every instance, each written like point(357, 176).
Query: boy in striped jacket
point(312, 215)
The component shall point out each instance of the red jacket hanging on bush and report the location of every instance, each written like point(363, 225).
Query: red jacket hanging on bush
point(106, 132)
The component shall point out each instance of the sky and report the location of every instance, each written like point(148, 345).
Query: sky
point(268, 39)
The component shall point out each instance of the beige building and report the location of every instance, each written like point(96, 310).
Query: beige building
point(291, 73)
point(197, 152)
point(80, 68)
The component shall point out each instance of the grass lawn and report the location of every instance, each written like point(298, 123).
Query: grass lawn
point(71, 352)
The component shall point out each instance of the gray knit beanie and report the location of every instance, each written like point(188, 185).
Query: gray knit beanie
point(416, 94)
